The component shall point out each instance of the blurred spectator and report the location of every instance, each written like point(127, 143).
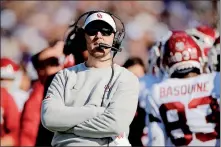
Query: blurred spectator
point(136, 66)
point(9, 120)
point(28, 67)
point(30, 118)
point(15, 81)
point(47, 63)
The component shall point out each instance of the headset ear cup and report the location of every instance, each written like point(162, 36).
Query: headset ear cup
point(69, 40)
point(76, 45)
point(115, 42)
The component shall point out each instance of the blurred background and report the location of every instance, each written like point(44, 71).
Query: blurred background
point(28, 27)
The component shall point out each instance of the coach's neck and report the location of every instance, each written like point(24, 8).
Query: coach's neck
point(99, 62)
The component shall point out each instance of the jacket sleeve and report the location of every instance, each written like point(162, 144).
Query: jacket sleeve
point(55, 116)
point(30, 118)
point(118, 115)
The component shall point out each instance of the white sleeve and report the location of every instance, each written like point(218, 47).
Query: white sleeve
point(142, 94)
point(156, 131)
point(156, 134)
point(55, 116)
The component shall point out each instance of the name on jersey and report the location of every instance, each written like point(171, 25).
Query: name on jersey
point(184, 89)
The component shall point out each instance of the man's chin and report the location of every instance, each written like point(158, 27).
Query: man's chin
point(98, 55)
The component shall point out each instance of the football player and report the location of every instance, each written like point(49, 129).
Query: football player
point(184, 108)
point(154, 75)
point(205, 37)
point(214, 56)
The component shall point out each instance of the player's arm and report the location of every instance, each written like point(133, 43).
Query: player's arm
point(117, 116)
point(157, 134)
point(216, 89)
point(142, 93)
point(55, 116)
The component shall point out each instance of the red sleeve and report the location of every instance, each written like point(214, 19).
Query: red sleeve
point(30, 118)
point(11, 116)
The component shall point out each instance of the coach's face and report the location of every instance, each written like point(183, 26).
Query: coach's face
point(98, 32)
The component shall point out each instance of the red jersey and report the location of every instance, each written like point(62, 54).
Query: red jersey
point(30, 118)
point(10, 117)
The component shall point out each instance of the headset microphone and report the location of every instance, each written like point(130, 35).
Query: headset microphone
point(105, 46)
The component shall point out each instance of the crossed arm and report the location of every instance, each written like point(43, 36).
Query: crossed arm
point(94, 122)
point(117, 116)
point(55, 116)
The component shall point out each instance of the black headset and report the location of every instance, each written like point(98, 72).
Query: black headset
point(75, 39)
